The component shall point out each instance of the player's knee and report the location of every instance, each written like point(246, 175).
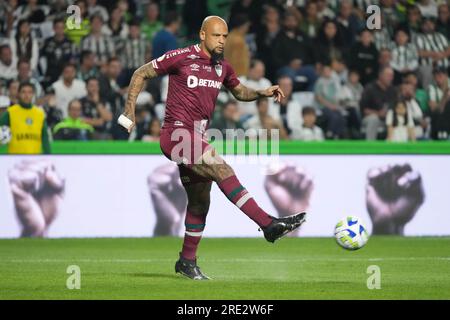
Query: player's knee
point(223, 171)
point(199, 208)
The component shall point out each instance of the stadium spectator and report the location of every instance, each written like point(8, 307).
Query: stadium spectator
point(384, 58)
point(363, 57)
point(326, 94)
point(13, 91)
point(311, 23)
point(29, 9)
point(382, 37)
point(95, 9)
point(292, 55)
point(421, 94)
point(76, 33)
point(308, 131)
point(328, 45)
point(73, 127)
point(413, 22)
point(253, 9)
point(95, 111)
point(324, 11)
point(254, 79)
point(53, 113)
point(154, 131)
point(110, 89)
point(265, 37)
point(376, 98)
point(116, 27)
point(58, 11)
point(237, 51)
point(100, 44)
point(348, 23)
point(8, 64)
point(88, 66)
point(288, 109)
point(389, 14)
point(263, 123)
point(135, 52)
point(165, 39)
point(433, 50)
point(57, 51)
point(112, 92)
point(193, 14)
point(27, 123)
point(407, 94)
point(228, 118)
point(7, 9)
point(151, 24)
point(24, 45)
point(24, 74)
point(405, 58)
point(443, 21)
point(68, 88)
point(439, 95)
point(350, 96)
point(400, 123)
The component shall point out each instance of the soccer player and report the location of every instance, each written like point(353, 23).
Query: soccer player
point(27, 123)
point(196, 74)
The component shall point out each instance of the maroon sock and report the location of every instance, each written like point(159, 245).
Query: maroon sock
point(237, 194)
point(194, 228)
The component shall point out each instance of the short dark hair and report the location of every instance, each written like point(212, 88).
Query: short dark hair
point(229, 103)
point(171, 17)
point(134, 22)
point(4, 46)
point(84, 54)
point(26, 84)
point(112, 59)
point(58, 20)
point(70, 64)
point(91, 79)
point(23, 60)
point(308, 110)
point(254, 62)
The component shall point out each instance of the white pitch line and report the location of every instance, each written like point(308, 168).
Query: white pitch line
point(237, 260)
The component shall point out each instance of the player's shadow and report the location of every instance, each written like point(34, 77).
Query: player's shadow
point(153, 275)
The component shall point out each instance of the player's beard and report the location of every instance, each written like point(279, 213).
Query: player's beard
point(216, 57)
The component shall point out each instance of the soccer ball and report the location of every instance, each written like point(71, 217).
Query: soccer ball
point(350, 233)
point(5, 135)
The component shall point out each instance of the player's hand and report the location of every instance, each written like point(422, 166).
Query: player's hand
point(127, 120)
point(393, 196)
point(37, 191)
point(169, 199)
point(289, 188)
point(273, 91)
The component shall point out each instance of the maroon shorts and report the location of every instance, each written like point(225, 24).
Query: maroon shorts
point(185, 147)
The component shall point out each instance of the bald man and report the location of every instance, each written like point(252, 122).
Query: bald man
point(196, 74)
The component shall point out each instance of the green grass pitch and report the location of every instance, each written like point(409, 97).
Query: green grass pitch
point(241, 268)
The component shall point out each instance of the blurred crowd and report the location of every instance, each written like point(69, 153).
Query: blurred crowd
point(343, 77)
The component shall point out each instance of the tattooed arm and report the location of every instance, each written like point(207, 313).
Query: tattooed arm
point(243, 93)
point(136, 85)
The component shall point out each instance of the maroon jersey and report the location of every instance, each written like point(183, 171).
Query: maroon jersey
point(194, 83)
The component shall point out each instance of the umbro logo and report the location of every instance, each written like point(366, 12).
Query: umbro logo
point(194, 67)
point(193, 56)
